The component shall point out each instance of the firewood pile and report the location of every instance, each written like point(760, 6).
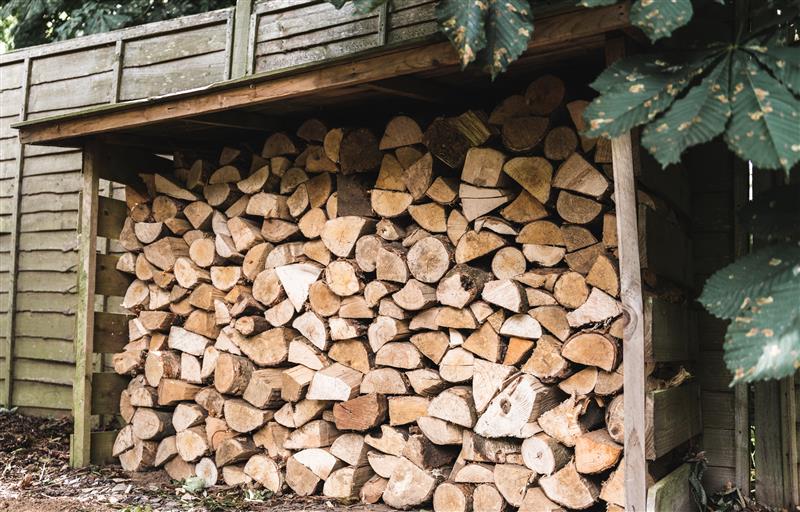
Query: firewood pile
point(427, 315)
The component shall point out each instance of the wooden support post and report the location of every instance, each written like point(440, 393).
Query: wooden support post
point(80, 447)
point(8, 334)
point(631, 294)
point(240, 38)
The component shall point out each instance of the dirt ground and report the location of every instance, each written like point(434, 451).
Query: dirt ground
point(35, 477)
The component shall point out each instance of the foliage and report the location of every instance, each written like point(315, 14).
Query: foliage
point(44, 21)
point(657, 18)
point(747, 91)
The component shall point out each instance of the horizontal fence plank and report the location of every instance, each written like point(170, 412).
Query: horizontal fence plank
point(111, 217)
point(44, 349)
point(48, 221)
point(307, 19)
point(62, 183)
point(52, 163)
point(49, 202)
point(673, 418)
point(110, 281)
point(316, 54)
point(46, 302)
point(110, 332)
point(73, 93)
point(173, 76)
point(50, 240)
point(57, 261)
point(72, 65)
point(175, 45)
point(11, 76)
point(50, 372)
point(106, 388)
point(45, 325)
point(327, 36)
point(42, 395)
point(47, 281)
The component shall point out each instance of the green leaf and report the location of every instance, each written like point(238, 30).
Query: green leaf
point(462, 21)
point(764, 343)
point(698, 117)
point(194, 484)
point(509, 27)
point(765, 125)
point(760, 293)
point(658, 18)
point(784, 63)
point(748, 280)
point(635, 90)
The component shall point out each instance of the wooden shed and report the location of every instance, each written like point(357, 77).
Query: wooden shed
point(94, 113)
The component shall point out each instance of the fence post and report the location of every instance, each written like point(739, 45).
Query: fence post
point(8, 350)
point(241, 38)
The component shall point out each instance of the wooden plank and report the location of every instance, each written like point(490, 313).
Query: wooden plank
point(789, 430)
point(102, 447)
point(631, 285)
point(106, 388)
point(52, 163)
point(110, 281)
point(65, 182)
point(109, 38)
point(307, 19)
point(673, 417)
point(73, 93)
point(111, 331)
point(663, 247)
point(173, 76)
point(116, 70)
point(48, 221)
point(43, 395)
point(8, 333)
point(666, 330)
point(49, 372)
point(241, 38)
point(324, 37)
point(112, 213)
point(44, 349)
point(46, 281)
point(68, 66)
point(718, 445)
point(80, 448)
point(174, 46)
point(672, 492)
point(718, 409)
point(277, 59)
point(11, 75)
point(256, 90)
point(52, 325)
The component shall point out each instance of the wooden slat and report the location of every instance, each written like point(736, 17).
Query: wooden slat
point(666, 330)
point(664, 248)
point(673, 417)
point(40, 394)
point(106, 388)
point(240, 38)
point(672, 492)
point(102, 447)
point(80, 448)
point(173, 76)
point(111, 332)
point(631, 285)
point(550, 31)
point(110, 281)
point(9, 331)
point(175, 45)
point(112, 213)
point(68, 66)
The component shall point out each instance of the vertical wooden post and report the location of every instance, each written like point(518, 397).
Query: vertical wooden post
point(631, 293)
point(9, 334)
point(241, 38)
point(116, 77)
point(80, 447)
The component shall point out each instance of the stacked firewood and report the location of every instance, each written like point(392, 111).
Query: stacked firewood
point(430, 315)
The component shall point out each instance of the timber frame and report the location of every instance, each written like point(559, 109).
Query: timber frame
point(112, 138)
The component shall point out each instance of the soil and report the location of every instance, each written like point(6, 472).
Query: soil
point(35, 476)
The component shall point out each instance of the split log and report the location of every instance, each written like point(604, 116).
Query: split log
point(544, 454)
point(361, 413)
point(409, 486)
point(511, 413)
point(568, 488)
point(596, 452)
point(243, 417)
point(265, 471)
point(430, 258)
point(592, 349)
point(336, 382)
point(487, 498)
